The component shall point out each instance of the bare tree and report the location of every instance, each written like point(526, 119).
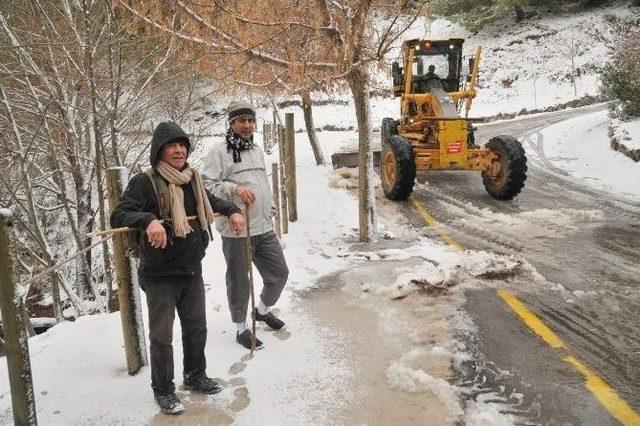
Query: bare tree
point(289, 47)
point(307, 111)
point(571, 48)
point(69, 94)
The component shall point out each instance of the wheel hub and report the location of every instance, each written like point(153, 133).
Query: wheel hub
point(497, 170)
point(389, 164)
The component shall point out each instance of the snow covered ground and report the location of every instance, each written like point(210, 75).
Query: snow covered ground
point(580, 148)
point(629, 133)
point(303, 376)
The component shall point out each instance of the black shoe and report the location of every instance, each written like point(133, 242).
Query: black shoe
point(202, 384)
point(169, 403)
point(245, 340)
point(270, 319)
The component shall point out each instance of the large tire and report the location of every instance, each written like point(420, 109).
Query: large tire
point(509, 172)
point(397, 168)
point(388, 128)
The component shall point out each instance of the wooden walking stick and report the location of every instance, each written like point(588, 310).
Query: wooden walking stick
point(250, 274)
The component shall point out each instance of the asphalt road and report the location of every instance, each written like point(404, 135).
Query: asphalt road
point(586, 244)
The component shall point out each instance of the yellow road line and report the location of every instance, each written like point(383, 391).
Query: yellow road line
point(604, 393)
point(531, 320)
point(436, 226)
point(608, 397)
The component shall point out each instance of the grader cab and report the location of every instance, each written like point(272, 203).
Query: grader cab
point(431, 134)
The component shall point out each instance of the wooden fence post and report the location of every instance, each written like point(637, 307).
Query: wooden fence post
point(292, 192)
point(274, 130)
point(15, 333)
point(276, 196)
point(128, 290)
point(265, 137)
point(283, 180)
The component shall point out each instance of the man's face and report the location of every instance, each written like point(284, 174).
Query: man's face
point(174, 154)
point(244, 126)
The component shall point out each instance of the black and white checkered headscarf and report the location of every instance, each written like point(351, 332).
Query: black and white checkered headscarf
point(237, 143)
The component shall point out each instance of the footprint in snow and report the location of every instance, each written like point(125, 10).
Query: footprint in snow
point(241, 400)
point(282, 334)
point(237, 367)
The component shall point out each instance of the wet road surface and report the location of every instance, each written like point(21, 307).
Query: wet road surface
point(586, 243)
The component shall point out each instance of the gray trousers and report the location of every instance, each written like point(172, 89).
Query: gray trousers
point(268, 258)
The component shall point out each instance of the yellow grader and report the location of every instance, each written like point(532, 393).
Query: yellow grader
point(431, 134)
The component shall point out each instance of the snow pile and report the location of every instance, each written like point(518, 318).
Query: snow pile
point(482, 264)
point(344, 178)
point(625, 137)
point(403, 374)
point(466, 268)
point(485, 414)
point(628, 132)
point(562, 217)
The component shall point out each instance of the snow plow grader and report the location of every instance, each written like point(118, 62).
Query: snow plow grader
point(431, 135)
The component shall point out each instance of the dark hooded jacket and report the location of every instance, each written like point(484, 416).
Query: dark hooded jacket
point(139, 206)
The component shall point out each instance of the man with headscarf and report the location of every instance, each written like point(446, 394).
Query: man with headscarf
point(235, 169)
point(170, 271)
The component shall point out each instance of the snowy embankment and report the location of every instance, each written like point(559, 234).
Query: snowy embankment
point(577, 149)
point(625, 137)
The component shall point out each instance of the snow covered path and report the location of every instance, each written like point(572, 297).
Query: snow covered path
point(326, 367)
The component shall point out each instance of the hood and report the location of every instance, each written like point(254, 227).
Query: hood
point(164, 133)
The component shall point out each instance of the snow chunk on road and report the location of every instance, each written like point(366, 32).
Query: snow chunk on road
point(401, 375)
point(484, 414)
point(566, 217)
point(466, 268)
point(494, 266)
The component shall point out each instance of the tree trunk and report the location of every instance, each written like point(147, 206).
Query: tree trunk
point(114, 60)
point(55, 295)
point(311, 131)
point(97, 138)
point(359, 85)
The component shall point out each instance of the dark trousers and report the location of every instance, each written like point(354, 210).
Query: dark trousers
point(164, 296)
point(270, 261)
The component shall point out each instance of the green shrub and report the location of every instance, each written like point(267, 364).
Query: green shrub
point(621, 76)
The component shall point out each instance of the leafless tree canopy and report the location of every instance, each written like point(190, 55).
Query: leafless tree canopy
point(79, 91)
point(82, 82)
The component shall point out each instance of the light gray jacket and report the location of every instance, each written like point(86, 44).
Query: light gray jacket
point(221, 176)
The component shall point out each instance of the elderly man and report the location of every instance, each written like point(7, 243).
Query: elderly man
point(171, 252)
point(235, 168)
